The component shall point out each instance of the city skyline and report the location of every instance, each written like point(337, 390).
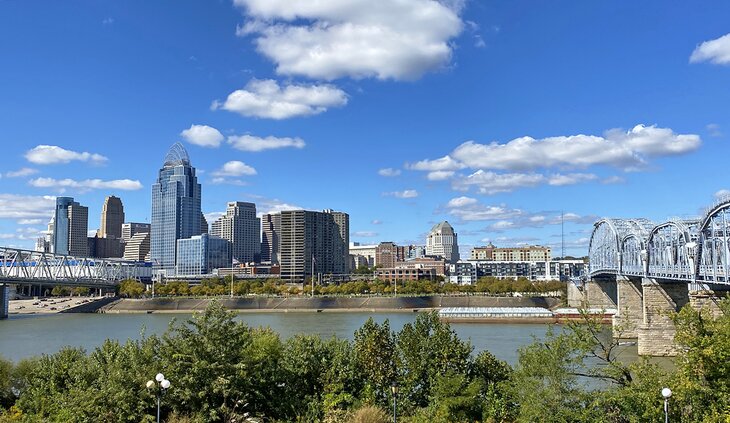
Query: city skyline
point(434, 133)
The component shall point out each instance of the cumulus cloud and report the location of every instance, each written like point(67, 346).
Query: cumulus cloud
point(86, 184)
point(202, 135)
point(267, 99)
point(386, 39)
point(408, 193)
point(389, 172)
point(30, 221)
point(235, 168)
point(461, 202)
point(273, 205)
point(26, 207)
point(715, 51)
point(440, 175)
point(53, 154)
point(255, 144)
point(20, 173)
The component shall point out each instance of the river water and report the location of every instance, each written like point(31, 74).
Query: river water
point(32, 335)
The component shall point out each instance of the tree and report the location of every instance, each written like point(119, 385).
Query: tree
point(131, 288)
point(375, 355)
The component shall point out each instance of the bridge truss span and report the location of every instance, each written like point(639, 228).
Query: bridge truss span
point(26, 266)
point(683, 250)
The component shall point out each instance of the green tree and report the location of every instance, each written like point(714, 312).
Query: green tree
point(375, 355)
point(131, 288)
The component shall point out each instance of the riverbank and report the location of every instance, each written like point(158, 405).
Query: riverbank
point(323, 304)
point(52, 305)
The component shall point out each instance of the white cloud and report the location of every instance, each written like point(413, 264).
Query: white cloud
point(211, 217)
point(20, 173)
point(492, 183)
point(715, 51)
point(570, 179)
point(721, 194)
point(52, 154)
point(613, 180)
point(273, 205)
point(409, 193)
point(386, 39)
point(377, 222)
point(440, 175)
point(625, 150)
point(202, 135)
point(461, 202)
point(714, 130)
point(443, 164)
point(266, 99)
point(256, 144)
point(14, 206)
point(389, 172)
point(364, 234)
point(235, 168)
point(86, 184)
point(30, 221)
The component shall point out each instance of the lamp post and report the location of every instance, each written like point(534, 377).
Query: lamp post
point(666, 393)
point(394, 391)
point(162, 386)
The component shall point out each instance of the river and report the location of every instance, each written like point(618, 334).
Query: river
point(23, 336)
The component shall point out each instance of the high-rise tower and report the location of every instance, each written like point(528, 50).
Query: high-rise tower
point(176, 210)
point(242, 229)
point(442, 242)
point(112, 218)
point(71, 223)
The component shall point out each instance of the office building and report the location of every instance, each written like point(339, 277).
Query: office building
point(387, 254)
point(176, 210)
point(112, 218)
point(442, 242)
point(132, 228)
point(138, 247)
point(270, 230)
point(99, 247)
point(403, 273)
point(527, 253)
point(200, 254)
point(71, 224)
point(312, 241)
point(242, 229)
point(367, 251)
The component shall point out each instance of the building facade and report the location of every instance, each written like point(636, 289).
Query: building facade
point(270, 244)
point(112, 218)
point(200, 254)
point(442, 242)
point(242, 229)
point(367, 251)
point(311, 243)
point(70, 229)
point(528, 253)
point(176, 210)
point(132, 228)
point(138, 247)
point(387, 254)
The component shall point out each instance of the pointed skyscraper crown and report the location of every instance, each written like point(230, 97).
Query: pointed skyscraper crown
point(177, 156)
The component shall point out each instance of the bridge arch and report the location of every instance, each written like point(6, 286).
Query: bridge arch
point(713, 255)
point(633, 247)
point(604, 248)
point(671, 250)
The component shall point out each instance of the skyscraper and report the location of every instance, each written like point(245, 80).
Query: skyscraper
point(176, 210)
point(71, 224)
point(132, 228)
point(270, 232)
point(112, 218)
point(310, 239)
point(340, 242)
point(242, 229)
point(442, 242)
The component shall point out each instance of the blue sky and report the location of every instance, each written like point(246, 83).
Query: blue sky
point(495, 116)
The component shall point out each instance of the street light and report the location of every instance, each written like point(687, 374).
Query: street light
point(666, 393)
point(162, 386)
point(394, 390)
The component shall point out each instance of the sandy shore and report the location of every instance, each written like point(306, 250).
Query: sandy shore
point(48, 305)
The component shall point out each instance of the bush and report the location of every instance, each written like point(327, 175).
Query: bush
point(370, 414)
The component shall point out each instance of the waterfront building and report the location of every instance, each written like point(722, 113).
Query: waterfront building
point(367, 251)
point(463, 273)
point(438, 264)
point(251, 270)
point(532, 270)
point(270, 230)
point(414, 251)
point(405, 273)
point(176, 212)
point(310, 241)
point(70, 229)
point(138, 247)
point(527, 253)
point(242, 229)
point(112, 218)
point(358, 261)
point(132, 228)
point(200, 254)
point(442, 242)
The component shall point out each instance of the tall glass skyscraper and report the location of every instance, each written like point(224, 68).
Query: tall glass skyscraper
point(176, 210)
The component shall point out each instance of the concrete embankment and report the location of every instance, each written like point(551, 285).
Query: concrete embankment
point(322, 304)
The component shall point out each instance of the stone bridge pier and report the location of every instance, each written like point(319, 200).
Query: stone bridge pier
point(629, 308)
point(661, 299)
point(4, 300)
